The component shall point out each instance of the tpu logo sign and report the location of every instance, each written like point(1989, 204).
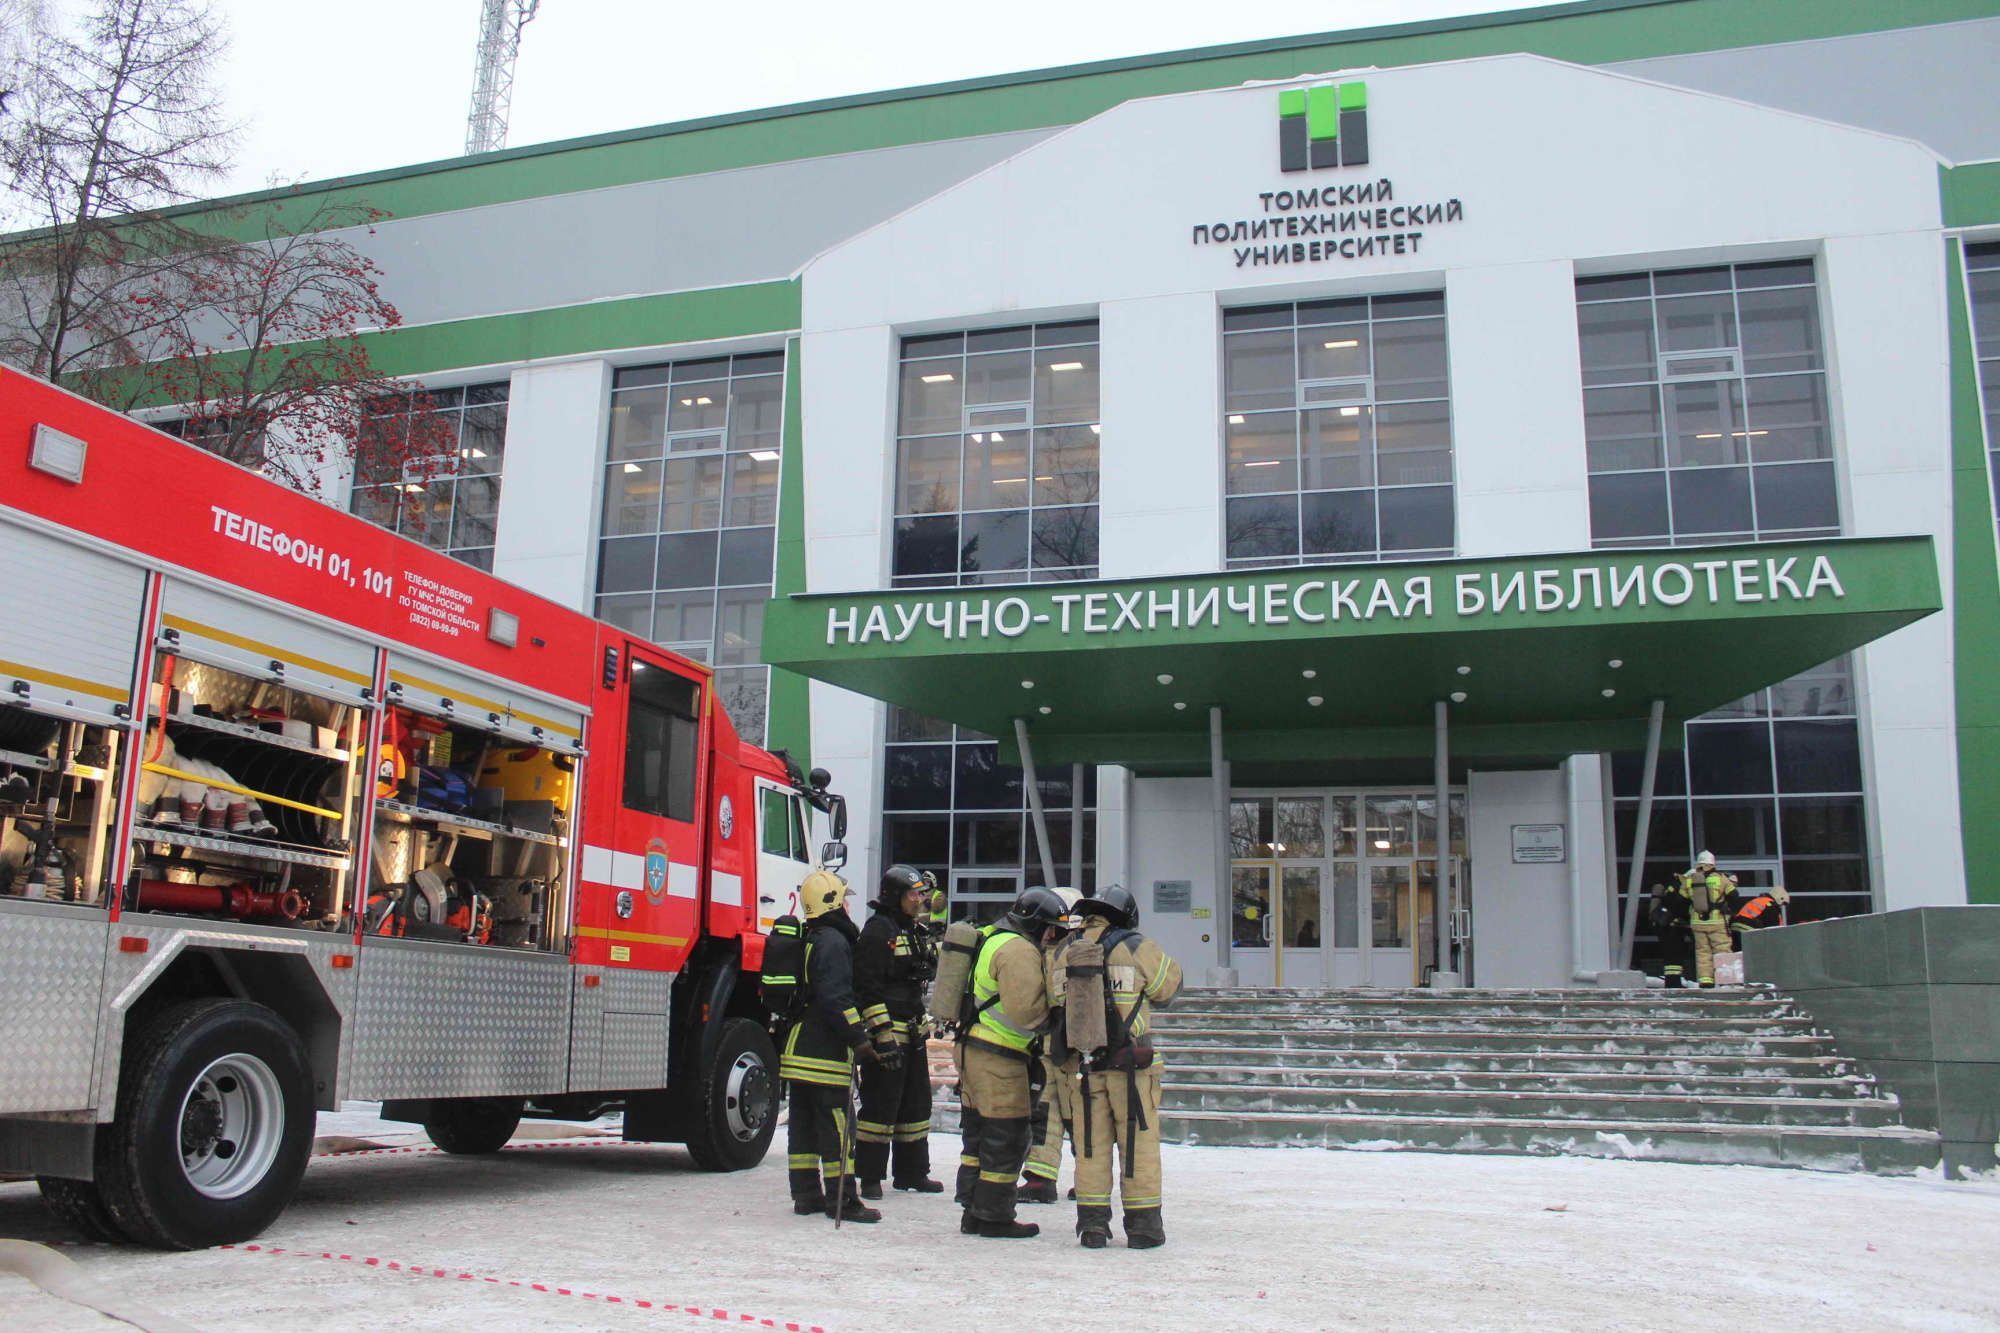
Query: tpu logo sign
point(1323, 126)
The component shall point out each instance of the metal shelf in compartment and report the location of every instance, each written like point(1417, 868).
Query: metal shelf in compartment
point(402, 813)
point(205, 842)
point(249, 733)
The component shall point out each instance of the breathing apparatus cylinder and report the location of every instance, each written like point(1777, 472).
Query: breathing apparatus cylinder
point(957, 952)
point(1083, 996)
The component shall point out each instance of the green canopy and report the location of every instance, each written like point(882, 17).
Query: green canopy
point(1539, 655)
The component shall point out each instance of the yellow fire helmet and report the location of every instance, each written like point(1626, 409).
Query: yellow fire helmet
point(822, 892)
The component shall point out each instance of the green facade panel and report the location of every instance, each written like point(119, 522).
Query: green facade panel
point(1975, 604)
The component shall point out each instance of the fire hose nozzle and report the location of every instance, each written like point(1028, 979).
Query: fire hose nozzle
point(237, 900)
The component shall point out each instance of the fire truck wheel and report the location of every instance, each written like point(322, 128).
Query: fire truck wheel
point(737, 1108)
point(78, 1205)
point(215, 1121)
point(473, 1124)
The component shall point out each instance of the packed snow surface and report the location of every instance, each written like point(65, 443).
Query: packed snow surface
point(1258, 1240)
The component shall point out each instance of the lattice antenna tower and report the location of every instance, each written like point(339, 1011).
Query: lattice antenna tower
point(500, 23)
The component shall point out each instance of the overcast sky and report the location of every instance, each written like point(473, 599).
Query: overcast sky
point(328, 87)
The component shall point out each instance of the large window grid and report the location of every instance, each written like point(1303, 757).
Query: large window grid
point(951, 807)
point(996, 457)
point(690, 515)
point(448, 500)
point(1337, 431)
point(1774, 777)
point(1983, 277)
point(1705, 405)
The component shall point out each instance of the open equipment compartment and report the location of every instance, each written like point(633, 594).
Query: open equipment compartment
point(472, 832)
point(247, 798)
point(58, 786)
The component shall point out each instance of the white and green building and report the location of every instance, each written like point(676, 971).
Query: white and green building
point(1291, 402)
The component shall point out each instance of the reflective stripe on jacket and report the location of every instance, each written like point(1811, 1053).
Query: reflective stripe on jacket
point(1008, 996)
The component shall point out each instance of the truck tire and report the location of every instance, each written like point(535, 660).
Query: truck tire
point(78, 1205)
point(215, 1121)
point(735, 1111)
point(472, 1125)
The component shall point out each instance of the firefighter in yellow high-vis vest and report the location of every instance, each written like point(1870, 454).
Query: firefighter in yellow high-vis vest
point(998, 1058)
point(820, 1049)
point(1118, 1105)
point(1711, 899)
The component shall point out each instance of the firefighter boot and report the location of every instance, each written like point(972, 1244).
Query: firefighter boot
point(1143, 1229)
point(855, 1211)
point(1093, 1226)
point(921, 1186)
point(1036, 1189)
point(805, 1205)
point(871, 1189)
point(1007, 1230)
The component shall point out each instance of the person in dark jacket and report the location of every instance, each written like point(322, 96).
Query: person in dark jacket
point(894, 960)
point(820, 1049)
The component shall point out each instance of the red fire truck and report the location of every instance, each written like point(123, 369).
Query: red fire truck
point(294, 810)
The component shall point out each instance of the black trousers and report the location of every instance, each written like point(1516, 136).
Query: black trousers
point(895, 1117)
point(989, 1168)
point(1677, 948)
point(818, 1140)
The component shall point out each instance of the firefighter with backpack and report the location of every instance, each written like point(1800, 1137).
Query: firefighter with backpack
point(1051, 1118)
point(992, 987)
point(1112, 977)
point(808, 981)
point(894, 960)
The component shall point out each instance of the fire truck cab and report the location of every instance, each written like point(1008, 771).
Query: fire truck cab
point(294, 810)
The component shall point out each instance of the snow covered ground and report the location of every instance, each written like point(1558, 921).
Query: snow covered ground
point(1259, 1240)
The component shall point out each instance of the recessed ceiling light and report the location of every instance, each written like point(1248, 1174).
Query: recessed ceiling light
point(1180, 705)
point(937, 379)
point(1350, 411)
point(765, 455)
point(1269, 462)
point(1616, 662)
point(1236, 421)
point(1309, 673)
point(1465, 671)
point(1027, 684)
point(1097, 430)
point(1046, 709)
point(1610, 694)
point(1315, 700)
point(1164, 679)
point(1333, 347)
point(1067, 365)
point(1381, 844)
point(632, 467)
point(1458, 697)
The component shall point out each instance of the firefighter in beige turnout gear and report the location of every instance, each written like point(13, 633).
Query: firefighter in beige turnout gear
point(998, 1057)
point(1117, 1112)
point(1052, 1109)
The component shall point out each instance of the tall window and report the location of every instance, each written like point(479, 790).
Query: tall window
point(691, 512)
point(1705, 407)
point(996, 457)
point(1983, 263)
point(1337, 431)
point(449, 499)
point(951, 807)
point(1771, 782)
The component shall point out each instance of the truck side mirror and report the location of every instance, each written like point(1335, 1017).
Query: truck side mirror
point(839, 817)
point(833, 855)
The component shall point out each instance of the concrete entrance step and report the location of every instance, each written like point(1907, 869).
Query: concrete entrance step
point(1495, 1104)
point(1529, 1042)
point(1614, 1024)
point(1722, 1062)
point(1887, 1150)
point(1513, 1080)
point(1366, 1005)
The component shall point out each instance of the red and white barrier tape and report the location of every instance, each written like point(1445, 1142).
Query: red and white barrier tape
point(698, 1312)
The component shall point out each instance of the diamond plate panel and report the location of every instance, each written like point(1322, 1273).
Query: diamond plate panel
point(632, 1050)
point(634, 1053)
point(586, 1032)
point(127, 977)
point(51, 991)
point(454, 1021)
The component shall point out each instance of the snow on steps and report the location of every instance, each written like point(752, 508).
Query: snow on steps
point(1697, 1076)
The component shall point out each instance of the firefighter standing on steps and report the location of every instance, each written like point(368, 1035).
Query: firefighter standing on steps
point(1119, 1101)
point(998, 1057)
point(1711, 899)
point(894, 959)
point(820, 1049)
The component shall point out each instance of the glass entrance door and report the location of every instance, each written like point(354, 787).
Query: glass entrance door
point(1338, 888)
point(980, 896)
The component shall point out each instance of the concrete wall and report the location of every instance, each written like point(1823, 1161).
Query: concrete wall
point(1173, 837)
point(557, 417)
point(1520, 913)
point(1915, 997)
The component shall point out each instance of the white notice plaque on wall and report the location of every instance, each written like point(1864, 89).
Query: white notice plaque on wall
point(1538, 844)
